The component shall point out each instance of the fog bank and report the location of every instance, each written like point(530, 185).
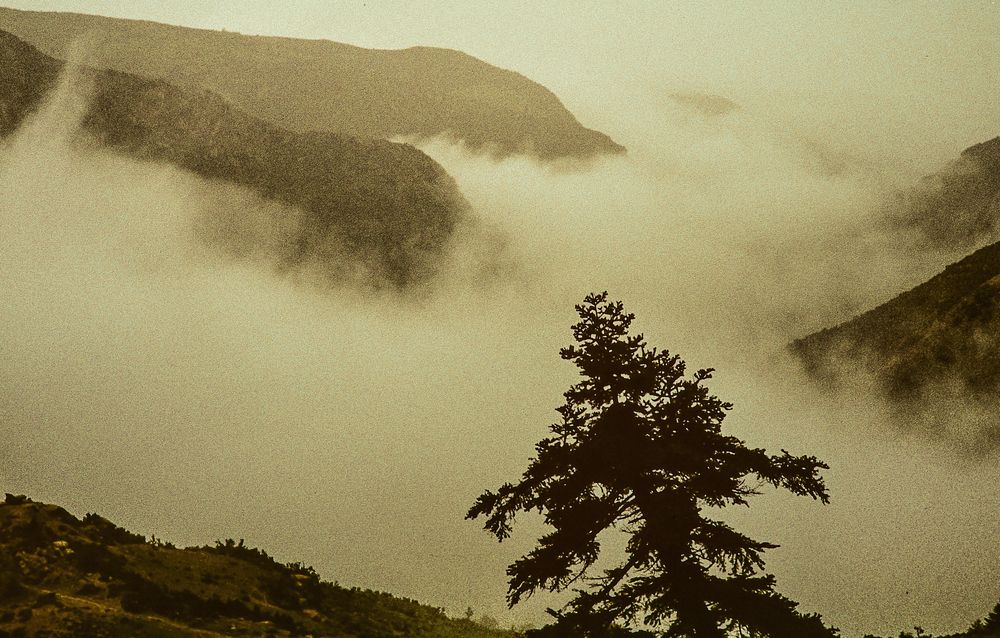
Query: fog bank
point(198, 397)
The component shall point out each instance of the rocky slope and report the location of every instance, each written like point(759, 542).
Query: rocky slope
point(63, 577)
point(367, 204)
point(307, 85)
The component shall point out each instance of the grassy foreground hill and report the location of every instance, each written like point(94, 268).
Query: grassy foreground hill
point(384, 208)
point(305, 85)
point(63, 577)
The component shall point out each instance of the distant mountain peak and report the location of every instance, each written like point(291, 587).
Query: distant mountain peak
point(987, 152)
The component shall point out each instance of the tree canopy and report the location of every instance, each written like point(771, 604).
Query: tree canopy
point(639, 449)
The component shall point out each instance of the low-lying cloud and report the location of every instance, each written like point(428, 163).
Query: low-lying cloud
point(198, 397)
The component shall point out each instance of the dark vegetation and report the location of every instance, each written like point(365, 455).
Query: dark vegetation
point(371, 205)
point(639, 449)
point(65, 577)
point(307, 85)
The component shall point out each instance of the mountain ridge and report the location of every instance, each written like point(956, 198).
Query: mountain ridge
point(300, 84)
point(374, 203)
point(931, 348)
point(62, 576)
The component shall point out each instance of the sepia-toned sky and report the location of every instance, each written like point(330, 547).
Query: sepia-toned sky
point(197, 400)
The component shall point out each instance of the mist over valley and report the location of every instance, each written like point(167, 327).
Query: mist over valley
point(172, 361)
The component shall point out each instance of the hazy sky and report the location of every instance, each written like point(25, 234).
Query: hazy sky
point(196, 399)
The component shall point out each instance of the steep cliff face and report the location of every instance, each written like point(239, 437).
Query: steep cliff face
point(305, 85)
point(372, 204)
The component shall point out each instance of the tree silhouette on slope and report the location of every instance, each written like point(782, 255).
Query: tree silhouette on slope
point(639, 448)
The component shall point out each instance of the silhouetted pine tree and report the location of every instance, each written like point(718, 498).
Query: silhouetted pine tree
point(639, 448)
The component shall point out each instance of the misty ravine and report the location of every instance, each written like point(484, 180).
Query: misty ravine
point(184, 391)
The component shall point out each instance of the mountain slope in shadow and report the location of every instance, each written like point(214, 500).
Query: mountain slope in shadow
point(933, 351)
point(367, 204)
